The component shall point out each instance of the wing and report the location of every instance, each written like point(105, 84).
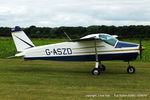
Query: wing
point(90, 37)
point(86, 39)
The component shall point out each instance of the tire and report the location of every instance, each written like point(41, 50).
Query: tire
point(102, 68)
point(131, 70)
point(96, 71)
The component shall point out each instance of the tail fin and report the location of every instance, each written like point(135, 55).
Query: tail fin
point(21, 40)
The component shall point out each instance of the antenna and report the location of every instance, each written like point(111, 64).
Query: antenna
point(67, 36)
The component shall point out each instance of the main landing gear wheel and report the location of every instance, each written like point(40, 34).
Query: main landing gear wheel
point(131, 70)
point(96, 71)
point(102, 67)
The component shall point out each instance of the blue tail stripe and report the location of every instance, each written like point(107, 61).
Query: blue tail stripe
point(24, 41)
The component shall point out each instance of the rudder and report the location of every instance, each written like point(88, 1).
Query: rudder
point(21, 40)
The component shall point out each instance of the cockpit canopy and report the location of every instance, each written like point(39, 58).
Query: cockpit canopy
point(109, 39)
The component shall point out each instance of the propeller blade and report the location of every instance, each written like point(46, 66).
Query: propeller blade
point(140, 54)
point(140, 48)
point(140, 42)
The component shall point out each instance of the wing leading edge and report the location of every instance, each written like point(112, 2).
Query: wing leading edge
point(88, 38)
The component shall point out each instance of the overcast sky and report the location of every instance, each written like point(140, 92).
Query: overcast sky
point(55, 13)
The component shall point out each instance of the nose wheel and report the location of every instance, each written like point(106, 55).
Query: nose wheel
point(130, 69)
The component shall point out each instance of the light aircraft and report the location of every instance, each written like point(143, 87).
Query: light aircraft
point(95, 47)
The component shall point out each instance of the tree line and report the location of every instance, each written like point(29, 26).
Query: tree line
point(123, 32)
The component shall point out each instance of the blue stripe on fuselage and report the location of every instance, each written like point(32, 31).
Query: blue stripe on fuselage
point(102, 57)
point(125, 44)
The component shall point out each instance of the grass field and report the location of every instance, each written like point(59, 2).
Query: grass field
point(46, 80)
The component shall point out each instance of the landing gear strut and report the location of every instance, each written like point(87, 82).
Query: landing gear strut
point(130, 69)
point(96, 70)
point(98, 66)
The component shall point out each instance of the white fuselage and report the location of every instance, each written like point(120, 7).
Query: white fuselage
point(80, 51)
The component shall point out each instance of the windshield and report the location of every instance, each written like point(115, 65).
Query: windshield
point(108, 39)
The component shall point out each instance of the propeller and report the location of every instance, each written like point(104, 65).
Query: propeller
point(141, 48)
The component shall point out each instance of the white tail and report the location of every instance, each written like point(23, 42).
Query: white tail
point(21, 40)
